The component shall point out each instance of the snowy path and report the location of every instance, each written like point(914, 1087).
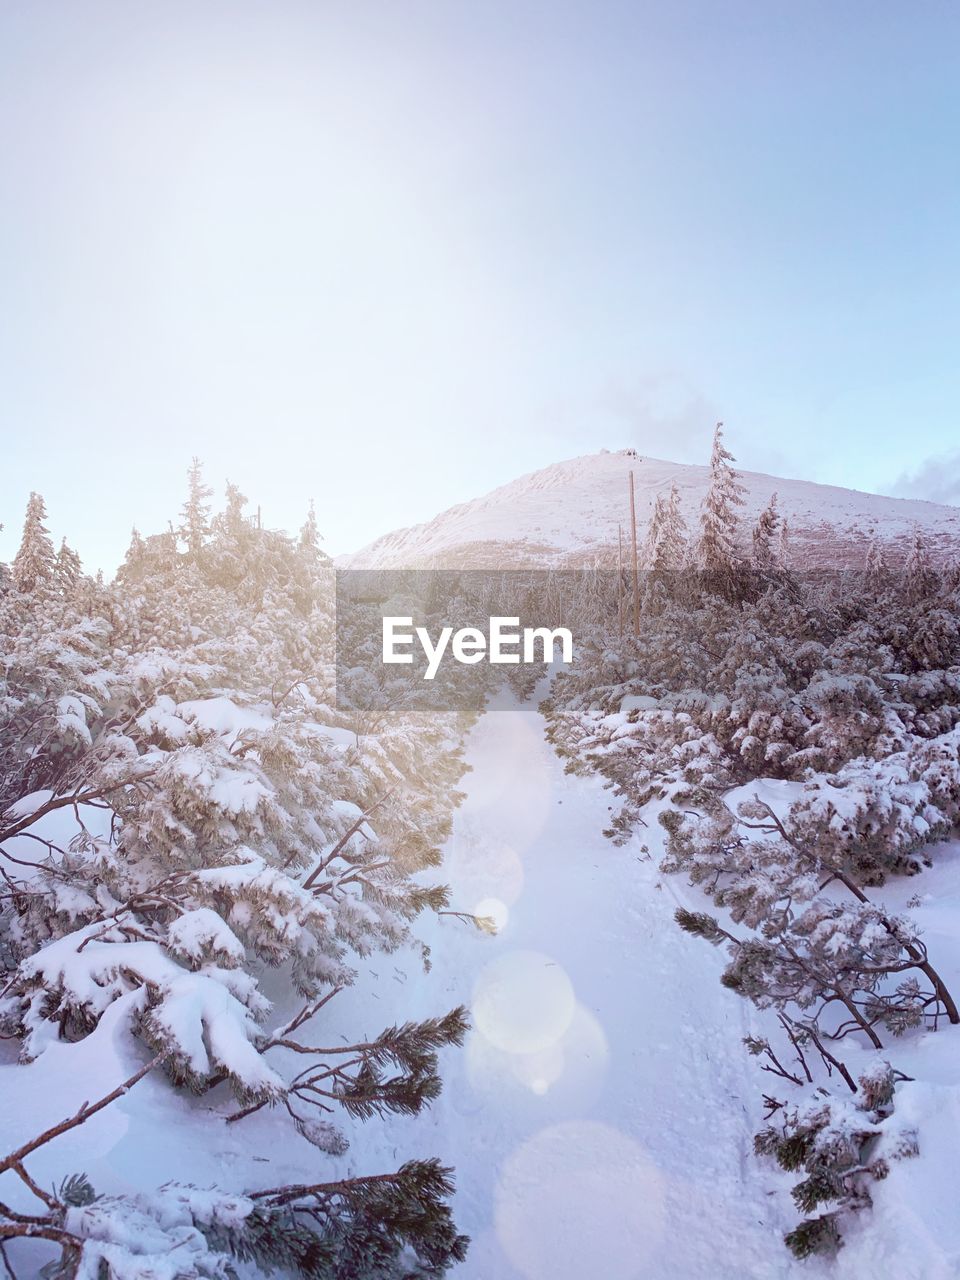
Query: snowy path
point(597, 1118)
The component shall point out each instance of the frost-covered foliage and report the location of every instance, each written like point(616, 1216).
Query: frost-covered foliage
point(717, 554)
point(183, 803)
point(836, 695)
point(381, 1227)
point(807, 680)
point(832, 967)
point(840, 1146)
point(321, 1232)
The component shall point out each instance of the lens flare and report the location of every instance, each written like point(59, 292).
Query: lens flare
point(495, 910)
point(481, 867)
point(523, 1002)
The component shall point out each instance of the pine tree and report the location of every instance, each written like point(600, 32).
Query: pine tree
point(135, 551)
point(651, 543)
point(840, 1146)
point(783, 545)
point(195, 526)
point(718, 554)
point(68, 568)
point(764, 555)
point(675, 537)
point(34, 566)
point(309, 532)
point(665, 552)
point(233, 520)
point(919, 578)
point(387, 1226)
point(876, 566)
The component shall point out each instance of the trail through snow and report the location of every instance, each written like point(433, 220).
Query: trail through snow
point(600, 1117)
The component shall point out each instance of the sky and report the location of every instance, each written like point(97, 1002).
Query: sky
point(386, 256)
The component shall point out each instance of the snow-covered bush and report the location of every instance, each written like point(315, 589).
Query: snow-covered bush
point(184, 804)
point(383, 1227)
point(841, 1146)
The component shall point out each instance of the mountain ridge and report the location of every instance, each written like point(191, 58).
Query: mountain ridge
point(565, 515)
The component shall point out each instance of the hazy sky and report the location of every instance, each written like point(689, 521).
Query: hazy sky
point(390, 255)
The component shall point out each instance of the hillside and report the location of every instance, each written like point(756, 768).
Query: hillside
point(567, 515)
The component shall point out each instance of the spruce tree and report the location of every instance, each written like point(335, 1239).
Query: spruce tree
point(34, 566)
point(718, 554)
point(876, 565)
point(675, 538)
point(665, 550)
point(67, 568)
point(309, 532)
point(764, 553)
point(233, 520)
point(919, 578)
point(783, 545)
point(195, 526)
point(651, 544)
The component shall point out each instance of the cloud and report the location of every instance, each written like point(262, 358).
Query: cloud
point(937, 479)
point(665, 413)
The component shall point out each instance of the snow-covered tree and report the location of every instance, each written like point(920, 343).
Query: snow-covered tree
point(919, 578)
point(34, 566)
point(849, 692)
point(388, 1226)
point(195, 525)
point(876, 563)
point(718, 552)
point(783, 544)
point(309, 532)
point(67, 568)
point(665, 546)
point(233, 520)
point(764, 558)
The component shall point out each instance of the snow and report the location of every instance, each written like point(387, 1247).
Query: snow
point(223, 715)
point(637, 702)
point(198, 933)
point(59, 828)
point(338, 736)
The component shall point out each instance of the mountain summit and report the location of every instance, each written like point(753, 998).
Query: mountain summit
point(566, 515)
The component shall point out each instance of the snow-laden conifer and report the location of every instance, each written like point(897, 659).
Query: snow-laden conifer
point(34, 566)
point(719, 556)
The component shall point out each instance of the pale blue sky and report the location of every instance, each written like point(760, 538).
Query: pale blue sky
point(390, 255)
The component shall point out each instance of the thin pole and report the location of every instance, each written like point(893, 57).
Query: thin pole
point(620, 580)
point(636, 572)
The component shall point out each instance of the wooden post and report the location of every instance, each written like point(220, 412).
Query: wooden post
point(620, 580)
point(636, 572)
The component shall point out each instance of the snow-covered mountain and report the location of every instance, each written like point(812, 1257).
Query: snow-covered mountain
point(567, 515)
